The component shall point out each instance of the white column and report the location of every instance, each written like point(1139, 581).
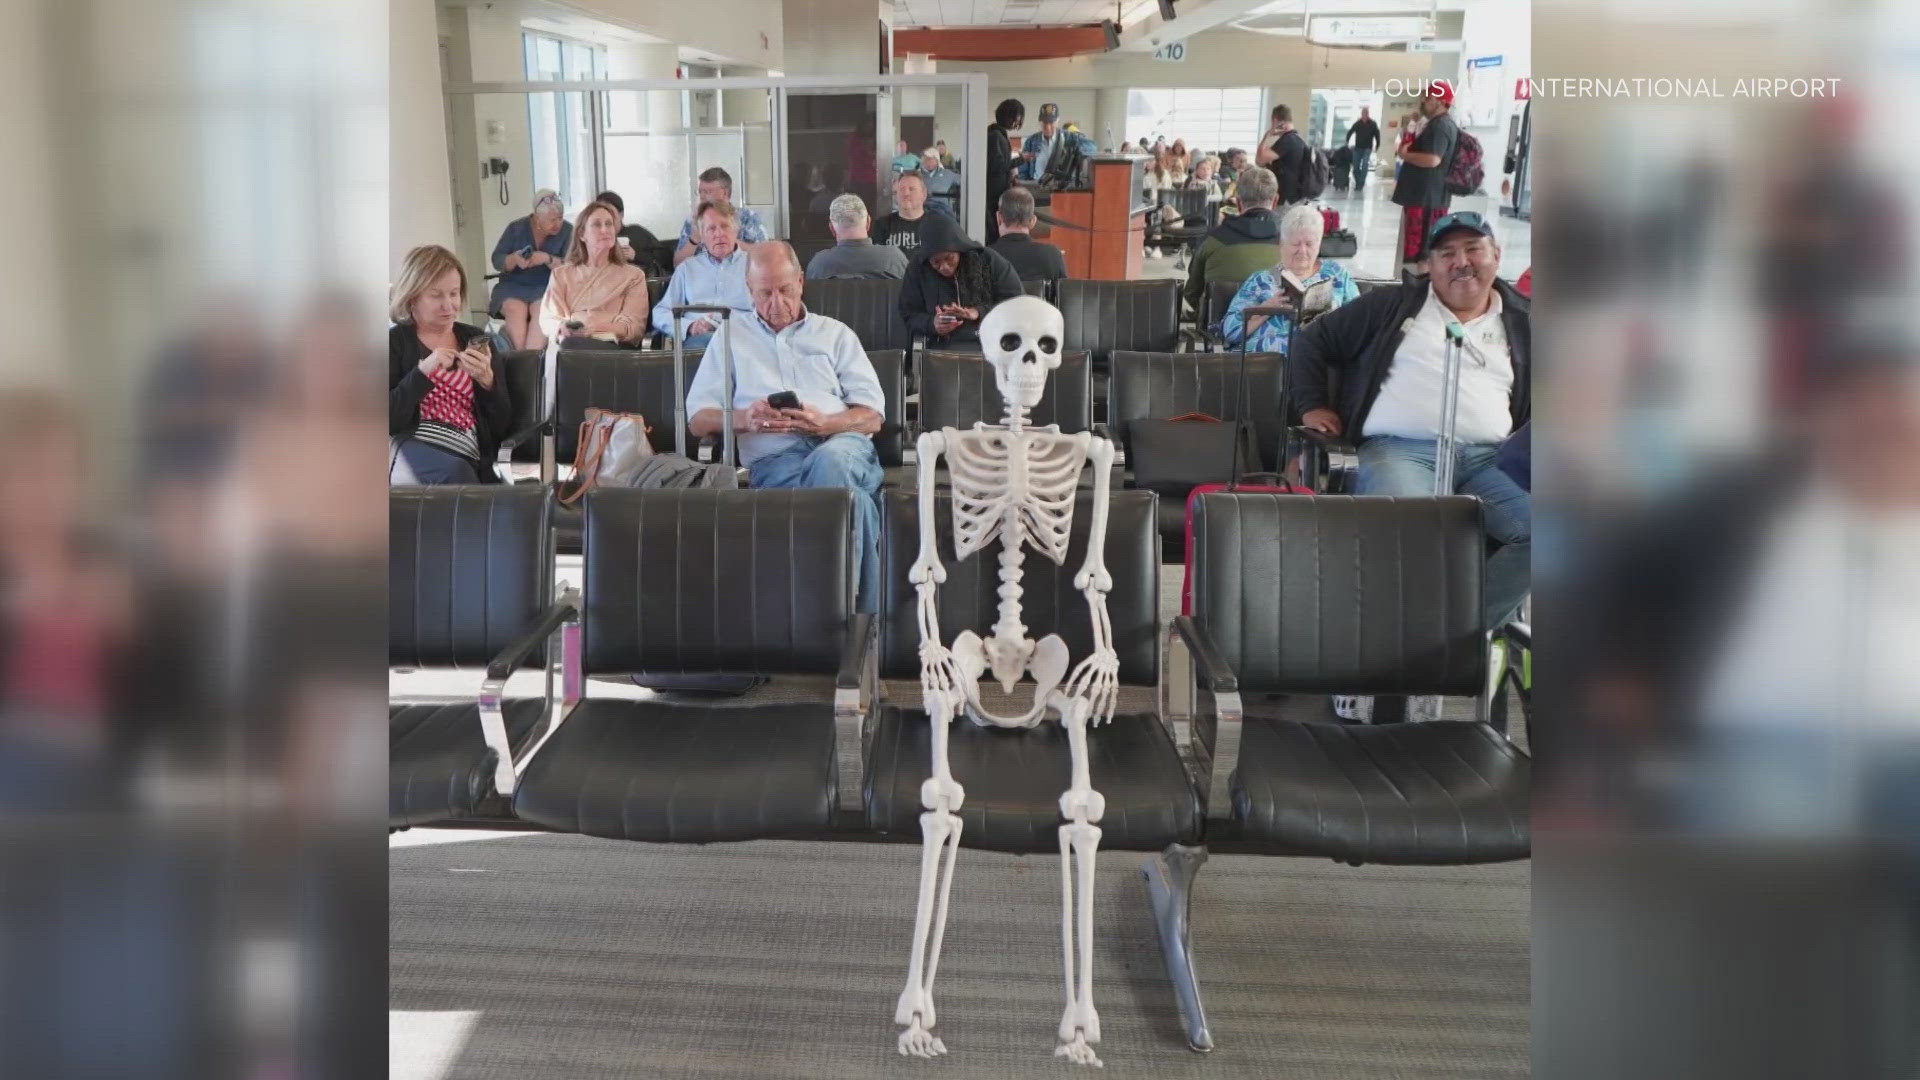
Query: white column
point(830, 37)
point(656, 110)
point(1109, 116)
point(420, 195)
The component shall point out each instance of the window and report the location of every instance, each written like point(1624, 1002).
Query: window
point(560, 126)
point(1210, 119)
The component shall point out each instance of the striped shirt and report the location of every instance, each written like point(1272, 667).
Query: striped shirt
point(446, 413)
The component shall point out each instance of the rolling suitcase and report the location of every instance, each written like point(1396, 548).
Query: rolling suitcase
point(1251, 483)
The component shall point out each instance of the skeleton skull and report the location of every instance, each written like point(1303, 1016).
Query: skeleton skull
point(1021, 338)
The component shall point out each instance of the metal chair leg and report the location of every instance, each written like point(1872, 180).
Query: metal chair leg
point(1170, 889)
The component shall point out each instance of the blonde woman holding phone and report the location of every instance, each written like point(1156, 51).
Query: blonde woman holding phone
point(447, 403)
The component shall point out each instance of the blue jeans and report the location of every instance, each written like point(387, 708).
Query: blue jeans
point(430, 464)
point(845, 460)
point(1390, 465)
point(1362, 164)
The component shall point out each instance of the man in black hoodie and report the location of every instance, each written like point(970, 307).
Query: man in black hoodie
point(1242, 244)
point(953, 283)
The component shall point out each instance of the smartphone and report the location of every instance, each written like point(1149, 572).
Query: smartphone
point(785, 399)
point(481, 345)
point(575, 324)
point(625, 242)
point(526, 252)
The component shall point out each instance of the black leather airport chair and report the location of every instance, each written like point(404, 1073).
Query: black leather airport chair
point(1314, 459)
point(870, 307)
point(957, 390)
point(1297, 594)
point(1101, 316)
point(1014, 777)
point(1163, 385)
point(470, 584)
point(706, 583)
point(1198, 215)
point(1040, 287)
point(621, 381)
point(525, 371)
point(1215, 300)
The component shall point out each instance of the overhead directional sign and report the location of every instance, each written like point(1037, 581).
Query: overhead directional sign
point(1367, 29)
point(1174, 51)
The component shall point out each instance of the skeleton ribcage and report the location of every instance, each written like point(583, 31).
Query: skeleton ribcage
point(988, 465)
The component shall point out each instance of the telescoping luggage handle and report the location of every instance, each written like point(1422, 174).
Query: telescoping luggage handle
point(725, 339)
point(1449, 409)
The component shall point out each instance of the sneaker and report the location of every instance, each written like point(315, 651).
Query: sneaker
point(1355, 708)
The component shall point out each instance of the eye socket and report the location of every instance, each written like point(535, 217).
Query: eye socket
point(1048, 344)
point(1009, 342)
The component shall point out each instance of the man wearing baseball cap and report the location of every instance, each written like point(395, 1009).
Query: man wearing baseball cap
point(1039, 147)
point(1388, 348)
point(1421, 191)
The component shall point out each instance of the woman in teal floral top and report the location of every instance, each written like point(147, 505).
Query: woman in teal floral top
point(1300, 231)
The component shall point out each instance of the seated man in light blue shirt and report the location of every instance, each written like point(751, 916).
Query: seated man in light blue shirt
point(717, 275)
point(716, 185)
point(943, 184)
point(828, 440)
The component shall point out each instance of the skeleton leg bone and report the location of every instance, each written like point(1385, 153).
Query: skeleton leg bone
point(940, 847)
point(1079, 842)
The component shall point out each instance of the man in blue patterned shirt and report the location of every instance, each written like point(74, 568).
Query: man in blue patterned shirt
point(716, 185)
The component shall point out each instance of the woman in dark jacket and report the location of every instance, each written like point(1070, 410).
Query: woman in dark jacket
point(447, 403)
point(953, 284)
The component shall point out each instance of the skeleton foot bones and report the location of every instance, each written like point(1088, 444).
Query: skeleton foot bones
point(1017, 484)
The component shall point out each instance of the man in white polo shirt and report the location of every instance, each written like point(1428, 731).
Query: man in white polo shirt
point(1388, 348)
point(828, 440)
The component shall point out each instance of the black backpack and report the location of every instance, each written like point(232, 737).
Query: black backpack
point(1315, 171)
point(1464, 173)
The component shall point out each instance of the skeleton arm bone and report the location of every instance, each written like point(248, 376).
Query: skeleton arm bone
point(1097, 677)
point(937, 670)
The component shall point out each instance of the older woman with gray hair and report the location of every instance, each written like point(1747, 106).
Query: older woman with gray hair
point(854, 254)
point(528, 250)
point(1325, 283)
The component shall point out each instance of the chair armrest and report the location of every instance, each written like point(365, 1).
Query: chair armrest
point(1332, 444)
point(503, 457)
point(852, 697)
point(1214, 745)
point(493, 724)
point(1339, 459)
point(1208, 666)
point(854, 656)
point(503, 666)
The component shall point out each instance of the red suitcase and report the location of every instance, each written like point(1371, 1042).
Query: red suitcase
point(1331, 218)
point(1270, 483)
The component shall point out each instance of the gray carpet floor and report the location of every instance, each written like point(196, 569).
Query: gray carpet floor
point(596, 959)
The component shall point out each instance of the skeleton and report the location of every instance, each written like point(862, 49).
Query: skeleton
point(1014, 483)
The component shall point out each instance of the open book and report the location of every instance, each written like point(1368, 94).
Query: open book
point(1309, 301)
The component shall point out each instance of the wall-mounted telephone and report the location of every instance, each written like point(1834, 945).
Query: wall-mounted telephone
point(497, 167)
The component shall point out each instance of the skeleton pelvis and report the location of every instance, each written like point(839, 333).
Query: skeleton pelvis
point(1008, 659)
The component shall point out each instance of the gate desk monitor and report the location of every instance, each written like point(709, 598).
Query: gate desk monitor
point(1100, 226)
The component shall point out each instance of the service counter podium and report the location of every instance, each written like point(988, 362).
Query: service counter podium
point(1101, 228)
